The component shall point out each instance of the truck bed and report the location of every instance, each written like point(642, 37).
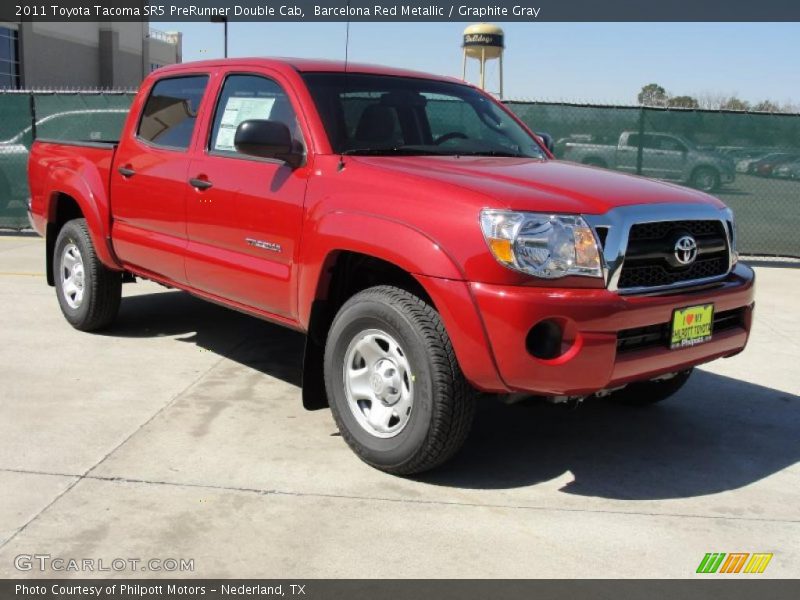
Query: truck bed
point(84, 167)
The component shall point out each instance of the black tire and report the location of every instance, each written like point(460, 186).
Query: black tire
point(101, 287)
point(443, 403)
point(647, 393)
point(705, 179)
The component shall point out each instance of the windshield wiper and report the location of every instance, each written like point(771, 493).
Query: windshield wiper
point(389, 151)
point(495, 153)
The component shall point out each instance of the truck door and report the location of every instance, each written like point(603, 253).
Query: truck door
point(651, 161)
point(148, 182)
point(244, 214)
point(671, 157)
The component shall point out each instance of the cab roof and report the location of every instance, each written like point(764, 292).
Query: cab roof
point(304, 65)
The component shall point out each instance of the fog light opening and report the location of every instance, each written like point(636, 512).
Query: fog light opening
point(552, 339)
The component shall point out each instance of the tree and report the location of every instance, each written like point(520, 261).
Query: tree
point(652, 95)
point(683, 102)
point(733, 103)
point(767, 106)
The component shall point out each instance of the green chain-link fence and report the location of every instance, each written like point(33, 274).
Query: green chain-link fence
point(68, 116)
point(750, 160)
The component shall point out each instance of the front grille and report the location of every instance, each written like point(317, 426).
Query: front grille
point(656, 275)
point(657, 230)
point(649, 258)
point(640, 338)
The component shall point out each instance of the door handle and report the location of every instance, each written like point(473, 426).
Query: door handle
point(126, 171)
point(200, 184)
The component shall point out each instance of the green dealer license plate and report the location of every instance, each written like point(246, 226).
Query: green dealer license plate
point(691, 325)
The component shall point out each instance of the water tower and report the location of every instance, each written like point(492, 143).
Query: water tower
point(484, 42)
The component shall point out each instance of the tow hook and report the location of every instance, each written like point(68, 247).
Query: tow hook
point(570, 401)
point(608, 391)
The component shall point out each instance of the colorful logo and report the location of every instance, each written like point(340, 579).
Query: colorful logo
point(735, 562)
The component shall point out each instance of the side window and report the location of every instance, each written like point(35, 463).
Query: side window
point(648, 141)
point(170, 112)
point(671, 144)
point(247, 97)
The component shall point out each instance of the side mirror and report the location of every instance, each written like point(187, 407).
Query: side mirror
point(547, 139)
point(266, 139)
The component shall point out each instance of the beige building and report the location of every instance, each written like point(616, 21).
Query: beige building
point(83, 55)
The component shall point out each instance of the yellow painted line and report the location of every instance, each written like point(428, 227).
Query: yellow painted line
point(14, 274)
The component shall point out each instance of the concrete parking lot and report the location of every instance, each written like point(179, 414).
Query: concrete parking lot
point(180, 434)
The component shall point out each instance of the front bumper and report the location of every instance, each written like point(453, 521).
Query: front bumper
point(595, 317)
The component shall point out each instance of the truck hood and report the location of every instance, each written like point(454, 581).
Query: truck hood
point(538, 185)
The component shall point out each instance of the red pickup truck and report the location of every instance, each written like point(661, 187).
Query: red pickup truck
point(421, 235)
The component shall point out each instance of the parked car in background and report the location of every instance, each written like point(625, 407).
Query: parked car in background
point(766, 165)
point(664, 156)
point(740, 154)
point(787, 170)
point(743, 166)
point(71, 125)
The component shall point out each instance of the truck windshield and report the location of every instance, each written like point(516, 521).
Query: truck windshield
point(387, 115)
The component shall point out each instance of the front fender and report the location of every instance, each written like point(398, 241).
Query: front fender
point(395, 242)
point(88, 191)
point(419, 255)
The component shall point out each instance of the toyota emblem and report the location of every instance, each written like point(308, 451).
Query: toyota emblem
point(685, 250)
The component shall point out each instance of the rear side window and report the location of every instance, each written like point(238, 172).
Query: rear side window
point(170, 112)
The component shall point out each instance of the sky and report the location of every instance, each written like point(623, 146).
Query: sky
point(576, 62)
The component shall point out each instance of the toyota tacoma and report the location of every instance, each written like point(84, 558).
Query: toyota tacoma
point(419, 234)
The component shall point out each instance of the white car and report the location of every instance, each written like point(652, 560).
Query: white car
point(744, 165)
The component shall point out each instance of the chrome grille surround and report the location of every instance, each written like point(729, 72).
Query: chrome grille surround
point(617, 224)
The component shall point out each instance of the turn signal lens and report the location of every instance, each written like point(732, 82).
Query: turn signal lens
point(502, 250)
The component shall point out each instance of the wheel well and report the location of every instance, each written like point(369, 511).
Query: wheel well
point(594, 161)
point(343, 275)
point(65, 209)
point(706, 167)
point(347, 273)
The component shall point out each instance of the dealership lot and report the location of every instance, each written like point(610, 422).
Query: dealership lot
point(179, 434)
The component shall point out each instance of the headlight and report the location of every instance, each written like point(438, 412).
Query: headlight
point(542, 245)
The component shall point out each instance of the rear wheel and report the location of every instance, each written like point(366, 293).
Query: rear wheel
point(645, 393)
point(705, 179)
point(88, 292)
point(395, 388)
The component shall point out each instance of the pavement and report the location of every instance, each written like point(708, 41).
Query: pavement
point(180, 435)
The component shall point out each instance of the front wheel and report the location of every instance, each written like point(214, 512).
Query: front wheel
point(395, 388)
point(646, 393)
point(88, 292)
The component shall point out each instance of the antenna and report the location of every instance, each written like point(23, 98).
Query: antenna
point(347, 39)
point(346, 57)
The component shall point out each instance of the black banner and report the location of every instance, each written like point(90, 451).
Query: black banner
point(483, 39)
point(150, 589)
point(400, 10)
